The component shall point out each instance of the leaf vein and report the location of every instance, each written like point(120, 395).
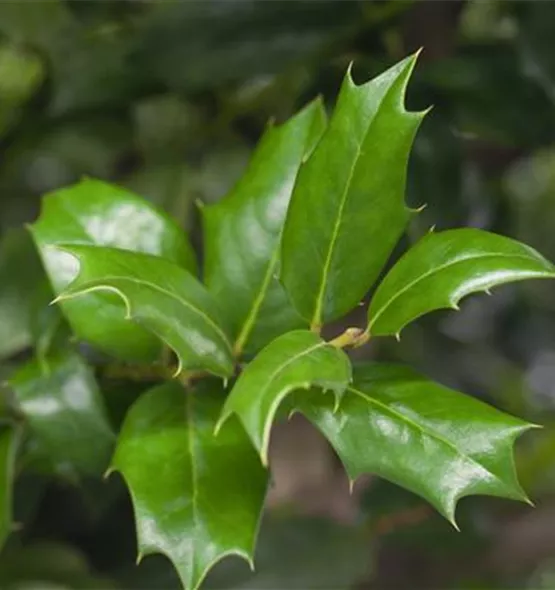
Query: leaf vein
point(414, 425)
point(316, 318)
point(174, 296)
point(292, 359)
point(250, 320)
point(435, 270)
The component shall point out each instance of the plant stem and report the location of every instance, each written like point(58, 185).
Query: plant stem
point(351, 337)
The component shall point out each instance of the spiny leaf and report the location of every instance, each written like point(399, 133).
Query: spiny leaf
point(432, 440)
point(295, 360)
point(65, 412)
point(444, 267)
point(95, 213)
point(347, 210)
point(9, 440)
point(197, 497)
point(162, 297)
point(242, 233)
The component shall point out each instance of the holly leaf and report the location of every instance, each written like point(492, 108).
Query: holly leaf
point(243, 230)
point(205, 499)
point(444, 267)
point(296, 360)
point(95, 213)
point(161, 296)
point(21, 278)
point(60, 401)
point(351, 186)
point(9, 441)
point(436, 442)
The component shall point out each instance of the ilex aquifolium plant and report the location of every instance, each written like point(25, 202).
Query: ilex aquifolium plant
point(298, 242)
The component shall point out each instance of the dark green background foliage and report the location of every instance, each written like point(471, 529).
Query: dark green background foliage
point(169, 100)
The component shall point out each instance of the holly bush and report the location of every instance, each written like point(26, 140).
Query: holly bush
point(297, 244)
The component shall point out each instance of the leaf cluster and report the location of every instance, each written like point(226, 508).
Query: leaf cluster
point(297, 244)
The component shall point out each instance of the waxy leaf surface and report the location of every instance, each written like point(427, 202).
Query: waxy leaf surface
point(21, 276)
point(296, 360)
point(197, 497)
point(9, 438)
point(60, 401)
point(243, 230)
point(442, 268)
point(347, 210)
point(436, 442)
point(161, 296)
point(95, 213)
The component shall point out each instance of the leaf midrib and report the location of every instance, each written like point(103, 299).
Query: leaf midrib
point(256, 304)
point(254, 310)
point(426, 433)
point(437, 269)
point(291, 360)
point(160, 289)
point(317, 316)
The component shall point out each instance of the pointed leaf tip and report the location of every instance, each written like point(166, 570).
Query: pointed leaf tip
point(434, 441)
point(183, 514)
point(164, 298)
point(443, 268)
point(96, 213)
point(353, 184)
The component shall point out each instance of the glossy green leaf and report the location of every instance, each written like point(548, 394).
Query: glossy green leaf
point(9, 439)
point(24, 292)
point(21, 276)
point(65, 412)
point(95, 213)
point(296, 360)
point(161, 296)
point(242, 233)
point(444, 267)
point(347, 210)
point(197, 497)
point(434, 441)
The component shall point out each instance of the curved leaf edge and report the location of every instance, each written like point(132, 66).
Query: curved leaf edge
point(271, 418)
point(146, 549)
point(66, 295)
point(49, 198)
point(448, 509)
point(409, 64)
point(271, 130)
point(73, 291)
point(454, 302)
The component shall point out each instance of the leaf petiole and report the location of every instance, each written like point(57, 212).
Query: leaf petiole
point(354, 337)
